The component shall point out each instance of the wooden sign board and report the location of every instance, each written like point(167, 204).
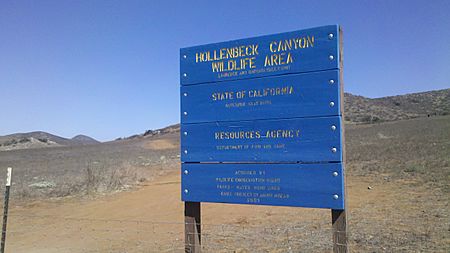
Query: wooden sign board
point(289, 96)
point(262, 124)
point(272, 99)
point(305, 140)
point(279, 54)
point(313, 185)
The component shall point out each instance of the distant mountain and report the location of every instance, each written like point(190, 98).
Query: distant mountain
point(363, 110)
point(41, 139)
point(84, 140)
point(150, 133)
point(359, 109)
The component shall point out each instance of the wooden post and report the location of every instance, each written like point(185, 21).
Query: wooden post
point(192, 227)
point(339, 224)
point(338, 217)
point(5, 210)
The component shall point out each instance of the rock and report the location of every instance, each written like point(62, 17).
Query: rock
point(42, 185)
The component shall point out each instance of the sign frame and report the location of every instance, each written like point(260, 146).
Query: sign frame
point(193, 76)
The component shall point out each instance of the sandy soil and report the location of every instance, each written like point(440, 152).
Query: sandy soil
point(150, 219)
point(397, 182)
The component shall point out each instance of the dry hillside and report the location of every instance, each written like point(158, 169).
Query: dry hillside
point(124, 195)
point(398, 196)
point(360, 109)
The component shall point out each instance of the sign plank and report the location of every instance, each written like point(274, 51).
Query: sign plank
point(289, 96)
point(303, 185)
point(285, 53)
point(288, 140)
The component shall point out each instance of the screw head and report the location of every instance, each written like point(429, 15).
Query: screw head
point(185, 151)
point(330, 36)
point(185, 113)
point(335, 196)
point(333, 127)
point(335, 174)
point(186, 191)
point(331, 81)
point(186, 172)
point(185, 94)
point(331, 103)
point(185, 133)
point(333, 149)
point(331, 57)
point(184, 74)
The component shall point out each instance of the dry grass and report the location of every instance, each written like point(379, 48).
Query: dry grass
point(84, 170)
point(425, 104)
point(398, 180)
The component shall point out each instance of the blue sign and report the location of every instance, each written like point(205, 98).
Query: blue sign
point(285, 53)
point(307, 185)
point(289, 96)
point(287, 140)
point(262, 120)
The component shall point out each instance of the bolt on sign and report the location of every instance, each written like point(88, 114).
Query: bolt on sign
point(262, 120)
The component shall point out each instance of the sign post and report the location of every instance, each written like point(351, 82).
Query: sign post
point(192, 227)
point(338, 216)
point(5, 209)
point(262, 124)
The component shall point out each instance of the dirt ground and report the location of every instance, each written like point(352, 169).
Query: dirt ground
point(398, 176)
point(150, 219)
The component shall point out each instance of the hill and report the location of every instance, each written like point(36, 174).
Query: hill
point(363, 110)
point(397, 181)
point(359, 109)
point(39, 139)
point(84, 140)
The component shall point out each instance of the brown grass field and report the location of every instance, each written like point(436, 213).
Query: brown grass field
point(124, 196)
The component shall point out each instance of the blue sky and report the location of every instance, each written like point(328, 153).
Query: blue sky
point(111, 68)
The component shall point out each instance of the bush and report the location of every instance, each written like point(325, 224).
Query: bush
point(44, 140)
